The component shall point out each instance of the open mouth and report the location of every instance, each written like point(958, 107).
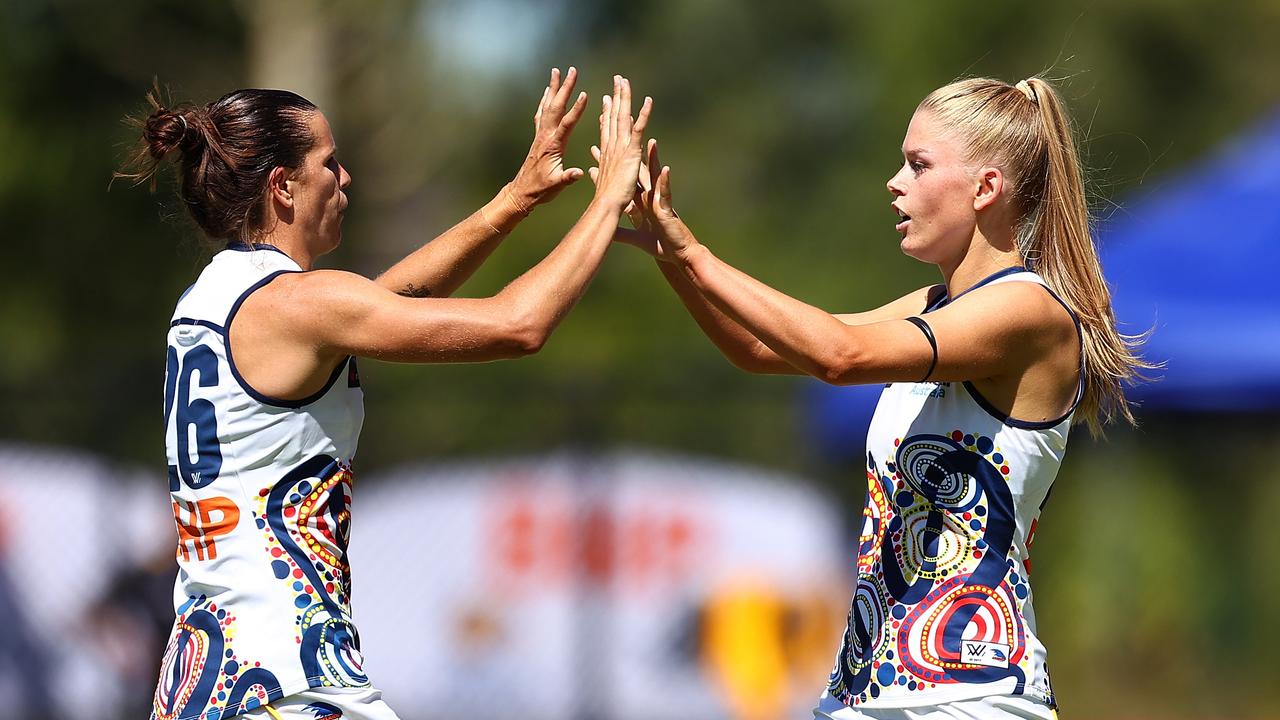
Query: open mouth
point(903, 219)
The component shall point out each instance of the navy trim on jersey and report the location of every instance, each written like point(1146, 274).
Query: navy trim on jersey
point(947, 300)
point(931, 302)
point(202, 323)
point(1009, 420)
point(246, 247)
point(235, 372)
point(1027, 424)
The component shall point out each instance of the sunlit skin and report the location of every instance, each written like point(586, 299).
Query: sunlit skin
point(289, 335)
point(960, 217)
point(305, 205)
point(1012, 341)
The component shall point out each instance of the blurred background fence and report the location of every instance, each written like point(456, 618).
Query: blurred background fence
point(624, 526)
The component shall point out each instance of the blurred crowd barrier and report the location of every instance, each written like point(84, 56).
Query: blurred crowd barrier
point(624, 585)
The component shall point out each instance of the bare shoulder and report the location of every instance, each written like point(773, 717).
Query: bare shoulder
point(320, 282)
point(305, 304)
point(318, 289)
point(1024, 309)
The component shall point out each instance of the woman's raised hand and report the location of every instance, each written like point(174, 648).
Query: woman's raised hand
point(621, 145)
point(659, 231)
point(543, 174)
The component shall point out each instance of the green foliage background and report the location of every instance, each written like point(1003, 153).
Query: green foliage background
point(781, 121)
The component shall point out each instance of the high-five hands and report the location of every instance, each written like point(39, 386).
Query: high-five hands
point(543, 174)
point(619, 155)
point(659, 231)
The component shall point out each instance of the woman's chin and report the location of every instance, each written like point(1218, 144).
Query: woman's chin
point(912, 249)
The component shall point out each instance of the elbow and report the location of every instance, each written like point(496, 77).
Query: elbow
point(517, 329)
point(522, 327)
point(529, 344)
point(839, 367)
point(526, 337)
point(833, 376)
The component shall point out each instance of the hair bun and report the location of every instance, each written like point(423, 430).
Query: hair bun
point(166, 130)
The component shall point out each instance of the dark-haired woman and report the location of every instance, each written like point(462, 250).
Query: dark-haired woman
point(263, 405)
point(985, 375)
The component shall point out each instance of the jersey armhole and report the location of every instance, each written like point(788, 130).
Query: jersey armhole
point(1011, 421)
point(244, 384)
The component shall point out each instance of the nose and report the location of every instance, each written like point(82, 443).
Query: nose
point(895, 184)
point(344, 178)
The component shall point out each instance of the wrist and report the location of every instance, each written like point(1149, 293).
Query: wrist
point(602, 199)
point(504, 212)
point(603, 207)
point(521, 202)
point(690, 252)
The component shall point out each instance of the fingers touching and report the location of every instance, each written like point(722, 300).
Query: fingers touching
point(662, 200)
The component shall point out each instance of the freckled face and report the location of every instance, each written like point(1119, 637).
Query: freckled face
point(318, 188)
point(933, 194)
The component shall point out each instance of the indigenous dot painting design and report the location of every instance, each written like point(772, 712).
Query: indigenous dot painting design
point(938, 599)
point(200, 675)
point(305, 519)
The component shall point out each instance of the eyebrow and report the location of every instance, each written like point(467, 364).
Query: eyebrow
point(916, 151)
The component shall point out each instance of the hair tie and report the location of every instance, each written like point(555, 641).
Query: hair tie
point(1027, 90)
point(185, 127)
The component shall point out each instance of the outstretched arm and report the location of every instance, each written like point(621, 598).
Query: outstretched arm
point(1000, 331)
point(439, 267)
point(347, 315)
point(745, 350)
point(736, 343)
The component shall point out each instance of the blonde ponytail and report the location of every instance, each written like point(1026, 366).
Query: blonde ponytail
point(1025, 130)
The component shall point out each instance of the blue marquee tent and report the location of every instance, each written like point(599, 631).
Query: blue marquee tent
point(1193, 259)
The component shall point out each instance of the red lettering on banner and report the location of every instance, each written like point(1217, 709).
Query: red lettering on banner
point(547, 543)
point(199, 523)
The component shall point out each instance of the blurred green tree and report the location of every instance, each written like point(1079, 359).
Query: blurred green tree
point(782, 122)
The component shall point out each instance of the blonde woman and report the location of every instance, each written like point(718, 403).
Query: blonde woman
point(986, 372)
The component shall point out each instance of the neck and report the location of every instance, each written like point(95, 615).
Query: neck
point(987, 253)
point(290, 243)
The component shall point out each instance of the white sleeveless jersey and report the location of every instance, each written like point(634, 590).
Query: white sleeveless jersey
point(942, 607)
point(261, 493)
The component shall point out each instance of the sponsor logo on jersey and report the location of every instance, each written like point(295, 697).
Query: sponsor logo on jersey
point(933, 390)
point(987, 654)
point(200, 523)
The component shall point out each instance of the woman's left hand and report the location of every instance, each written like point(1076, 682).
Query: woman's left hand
point(543, 174)
point(659, 231)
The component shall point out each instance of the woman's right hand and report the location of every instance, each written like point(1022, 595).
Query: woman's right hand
point(659, 230)
point(621, 145)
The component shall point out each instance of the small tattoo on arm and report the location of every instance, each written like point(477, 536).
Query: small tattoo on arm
point(411, 290)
